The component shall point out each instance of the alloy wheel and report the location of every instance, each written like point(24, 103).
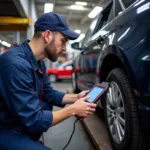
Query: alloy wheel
point(115, 112)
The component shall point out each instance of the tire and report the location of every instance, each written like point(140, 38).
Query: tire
point(52, 78)
point(121, 113)
point(74, 83)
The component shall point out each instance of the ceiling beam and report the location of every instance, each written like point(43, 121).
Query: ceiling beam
point(14, 20)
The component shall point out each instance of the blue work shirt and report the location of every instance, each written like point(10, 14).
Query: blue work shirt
point(21, 94)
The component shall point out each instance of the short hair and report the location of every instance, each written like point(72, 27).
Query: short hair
point(38, 34)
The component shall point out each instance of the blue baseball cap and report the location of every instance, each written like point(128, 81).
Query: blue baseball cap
point(54, 22)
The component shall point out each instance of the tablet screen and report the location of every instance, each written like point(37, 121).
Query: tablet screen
point(94, 93)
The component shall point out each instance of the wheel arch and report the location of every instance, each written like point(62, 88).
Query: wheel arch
point(110, 62)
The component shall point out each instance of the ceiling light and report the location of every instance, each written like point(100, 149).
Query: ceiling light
point(78, 31)
point(76, 7)
point(81, 3)
point(95, 12)
point(48, 7)
point(4, 43)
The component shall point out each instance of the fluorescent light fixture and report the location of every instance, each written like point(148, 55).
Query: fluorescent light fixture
point(76, 7)
point(95, 12)
point(78, 31)
point(48, 7)
point(4, 43)
point(81, 3)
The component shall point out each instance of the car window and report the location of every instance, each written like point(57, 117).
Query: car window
point(111, 14)
point(118, 9)
point(90, 30)
point(105, 16)
point(127, 3)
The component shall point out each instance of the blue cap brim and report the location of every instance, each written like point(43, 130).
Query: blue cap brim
point(70, 34)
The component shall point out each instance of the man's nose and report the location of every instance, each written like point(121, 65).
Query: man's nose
point(64, 48)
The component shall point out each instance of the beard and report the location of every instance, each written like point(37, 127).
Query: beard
point(50, 51)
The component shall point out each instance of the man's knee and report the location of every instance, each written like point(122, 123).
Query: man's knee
point(10, 140)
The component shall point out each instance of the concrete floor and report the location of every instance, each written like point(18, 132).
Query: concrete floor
point(57, 137)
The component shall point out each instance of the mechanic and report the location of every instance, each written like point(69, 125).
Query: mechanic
point(26, 97)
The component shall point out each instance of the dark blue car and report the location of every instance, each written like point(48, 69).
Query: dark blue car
point(116, 49)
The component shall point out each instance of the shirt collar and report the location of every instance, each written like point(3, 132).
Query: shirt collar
point(30, 55)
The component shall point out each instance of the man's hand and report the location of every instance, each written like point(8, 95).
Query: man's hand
point(71, 98)
point(79, 108)
point(82, 94)
point(82, 108)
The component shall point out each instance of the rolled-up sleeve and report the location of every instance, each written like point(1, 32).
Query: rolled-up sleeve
point(22, 100)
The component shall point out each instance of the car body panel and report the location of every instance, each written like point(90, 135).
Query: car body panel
point(126, 38)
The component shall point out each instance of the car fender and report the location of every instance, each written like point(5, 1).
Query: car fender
point(111, 58)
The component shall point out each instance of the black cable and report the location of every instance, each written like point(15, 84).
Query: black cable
point(71, 134)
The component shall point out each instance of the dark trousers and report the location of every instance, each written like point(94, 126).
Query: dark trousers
point(12, 140)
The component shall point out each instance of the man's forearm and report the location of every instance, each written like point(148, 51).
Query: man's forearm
point(69, 98)
point(62, 114)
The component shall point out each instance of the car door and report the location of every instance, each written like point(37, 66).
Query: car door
point(95, 46)
point(85, 59)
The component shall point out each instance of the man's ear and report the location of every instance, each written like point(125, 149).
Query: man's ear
point(48, 36)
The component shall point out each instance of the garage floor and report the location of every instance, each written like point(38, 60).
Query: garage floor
point(57, 137)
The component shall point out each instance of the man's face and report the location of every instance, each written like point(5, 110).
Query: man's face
point(56, 47)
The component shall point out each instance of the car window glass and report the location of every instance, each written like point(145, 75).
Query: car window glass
point(86, 38)
point(111, 14)
point(90, 31)
point(127, 3)
point(105, 15)
point(118, 9)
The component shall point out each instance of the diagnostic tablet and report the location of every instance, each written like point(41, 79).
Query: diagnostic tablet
point(96, 92)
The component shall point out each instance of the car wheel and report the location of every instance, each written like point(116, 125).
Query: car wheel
point(74, 83)
point(52, 78)
point(121, 113)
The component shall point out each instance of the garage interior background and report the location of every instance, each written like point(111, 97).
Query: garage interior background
point(17, 18)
